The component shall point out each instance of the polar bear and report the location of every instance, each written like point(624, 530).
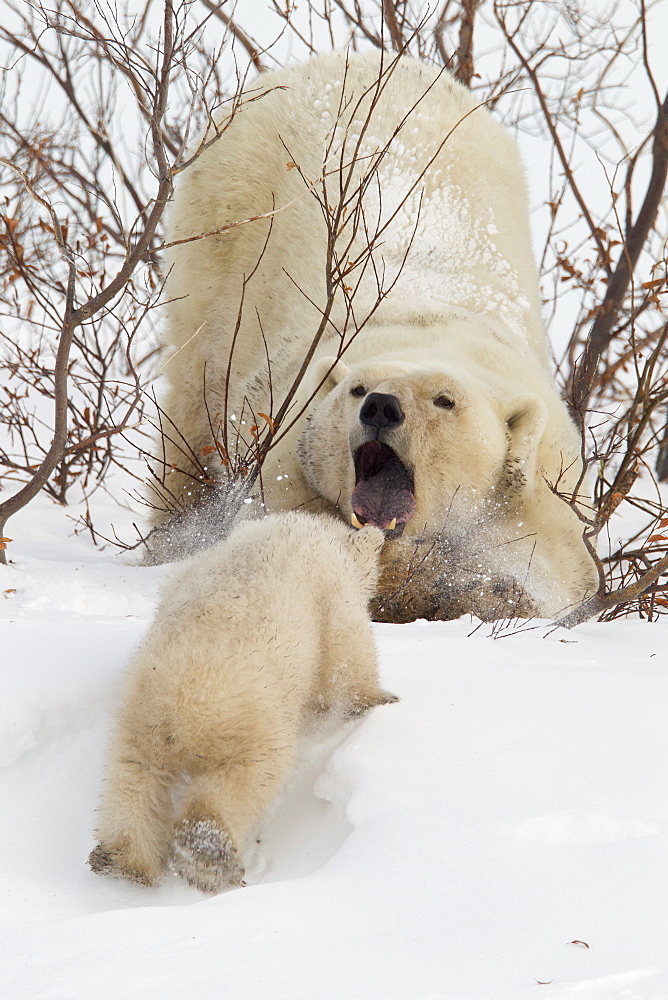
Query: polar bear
point(368, 228)
point(249, 636)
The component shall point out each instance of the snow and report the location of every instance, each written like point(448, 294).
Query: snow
point(499, 834)
point(453, 261)
point(459, 845)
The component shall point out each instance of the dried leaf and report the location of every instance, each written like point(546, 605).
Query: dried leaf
point(270, 421)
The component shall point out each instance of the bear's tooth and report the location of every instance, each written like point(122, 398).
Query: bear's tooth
point(392, 525)
point(356, 523)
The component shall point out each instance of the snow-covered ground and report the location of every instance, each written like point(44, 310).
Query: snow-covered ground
point(504, 825)
point(499, 834)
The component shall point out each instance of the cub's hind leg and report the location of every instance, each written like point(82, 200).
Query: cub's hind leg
point(134, 817)
point(220, 808)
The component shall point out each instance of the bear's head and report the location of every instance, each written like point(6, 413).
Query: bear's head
point(396, 445)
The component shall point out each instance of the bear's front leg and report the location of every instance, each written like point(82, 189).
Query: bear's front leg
point(348, 676)
point(134, 814)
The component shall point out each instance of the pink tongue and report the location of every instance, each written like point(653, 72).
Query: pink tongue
point(384, 497)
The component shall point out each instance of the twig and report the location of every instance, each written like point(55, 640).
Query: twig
point(607, 313)
point(601, 602)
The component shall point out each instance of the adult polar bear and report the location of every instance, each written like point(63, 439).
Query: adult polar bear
point(441, 421)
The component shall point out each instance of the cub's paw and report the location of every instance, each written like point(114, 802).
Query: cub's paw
point(113, 863)
point(362, 703)
point(203, 854)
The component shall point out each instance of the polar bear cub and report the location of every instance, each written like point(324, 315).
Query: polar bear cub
point(249, 636)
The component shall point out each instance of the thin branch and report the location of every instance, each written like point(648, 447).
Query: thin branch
point(599, 603)
point(465, 66)
point(252, 48)
point(607, 313)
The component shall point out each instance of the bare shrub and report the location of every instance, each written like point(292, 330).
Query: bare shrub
point(89, 152)
point(581, 83)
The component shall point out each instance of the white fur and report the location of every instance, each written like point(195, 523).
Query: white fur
point(463, 315)
point(249, 636)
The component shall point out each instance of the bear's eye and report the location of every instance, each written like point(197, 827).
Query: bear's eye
point(359, 390)
point(445, 402)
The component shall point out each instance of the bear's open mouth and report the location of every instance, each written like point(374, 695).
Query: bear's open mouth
point(383, 494)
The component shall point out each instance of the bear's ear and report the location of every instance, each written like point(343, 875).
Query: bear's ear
point(330, 370)
point(526, 418)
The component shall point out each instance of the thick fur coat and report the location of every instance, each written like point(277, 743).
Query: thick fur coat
point(429, 407)
point(250, 637)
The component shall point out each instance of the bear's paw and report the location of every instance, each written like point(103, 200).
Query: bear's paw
point(113, 863)
point(363, 703)
point(203, 854)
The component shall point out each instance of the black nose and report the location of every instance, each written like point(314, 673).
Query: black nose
point(381, 410)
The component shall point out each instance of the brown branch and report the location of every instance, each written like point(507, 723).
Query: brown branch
point(73, 317)
point(599, 603)
point(55, 452)
point(390, 18)
point(66, 84)
point(357, 20)
point(123, 65)
point(549, 121)
point(464, 71)
point(250, 46)
point(600, 334)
